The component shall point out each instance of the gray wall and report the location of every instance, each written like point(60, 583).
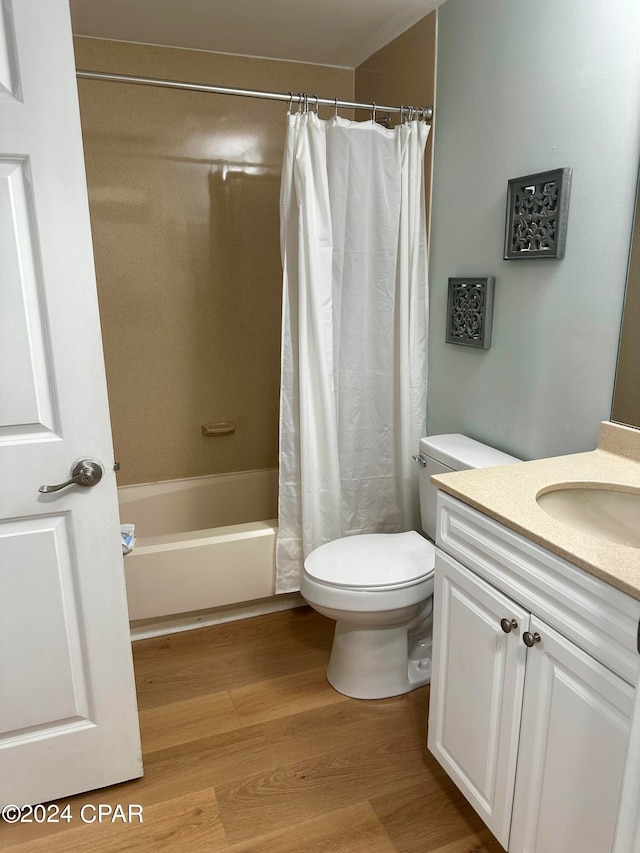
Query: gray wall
point(523, 88)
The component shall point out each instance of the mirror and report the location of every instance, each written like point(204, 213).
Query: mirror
point(626, 395)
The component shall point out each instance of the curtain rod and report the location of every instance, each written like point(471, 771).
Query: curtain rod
point(307, 100)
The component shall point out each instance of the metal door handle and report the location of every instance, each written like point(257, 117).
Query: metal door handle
point(85, 472)
point(508, 625)
point(530, 639)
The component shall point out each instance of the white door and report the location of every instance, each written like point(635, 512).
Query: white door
point(575, 731)
point(68, 718)
point(476, 689)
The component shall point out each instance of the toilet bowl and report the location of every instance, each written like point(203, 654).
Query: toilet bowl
point(379, 587)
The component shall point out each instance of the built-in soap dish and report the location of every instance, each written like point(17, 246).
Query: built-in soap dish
point(219, 428)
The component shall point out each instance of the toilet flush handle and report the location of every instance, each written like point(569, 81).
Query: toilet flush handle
point(421, 462)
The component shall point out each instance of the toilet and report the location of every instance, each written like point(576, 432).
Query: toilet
point(379, 586)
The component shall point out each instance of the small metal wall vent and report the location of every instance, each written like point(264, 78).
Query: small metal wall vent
point(470, 311)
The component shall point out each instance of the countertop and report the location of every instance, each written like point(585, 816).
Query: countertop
point(507, 493)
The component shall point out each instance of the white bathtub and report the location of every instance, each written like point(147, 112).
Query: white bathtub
point(202, 543)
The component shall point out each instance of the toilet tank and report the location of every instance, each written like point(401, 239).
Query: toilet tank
point(442, 454)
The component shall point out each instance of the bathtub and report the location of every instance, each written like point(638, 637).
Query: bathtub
point(202, 543)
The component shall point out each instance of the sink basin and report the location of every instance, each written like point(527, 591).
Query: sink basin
point(607, 513)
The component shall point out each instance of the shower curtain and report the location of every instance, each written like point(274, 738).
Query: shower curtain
point(354, 333)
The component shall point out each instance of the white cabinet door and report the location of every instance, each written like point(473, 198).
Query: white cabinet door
point(628, 828)
point(68, 719)
point(574, 736)
point(476, 690)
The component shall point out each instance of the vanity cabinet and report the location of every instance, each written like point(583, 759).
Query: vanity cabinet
point(534, 735)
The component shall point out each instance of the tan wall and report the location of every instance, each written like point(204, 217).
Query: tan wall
point(183, 190)
point(403, 72)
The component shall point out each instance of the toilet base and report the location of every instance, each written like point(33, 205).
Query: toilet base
point(375, 663)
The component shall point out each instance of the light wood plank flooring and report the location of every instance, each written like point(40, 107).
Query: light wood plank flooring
point(247, 749)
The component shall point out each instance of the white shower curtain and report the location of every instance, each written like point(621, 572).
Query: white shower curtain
point(354, 333)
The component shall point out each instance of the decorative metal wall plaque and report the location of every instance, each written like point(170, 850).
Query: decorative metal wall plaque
point(469, 312)
point(537, 211)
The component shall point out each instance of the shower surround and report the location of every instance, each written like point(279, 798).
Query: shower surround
point(184, 191)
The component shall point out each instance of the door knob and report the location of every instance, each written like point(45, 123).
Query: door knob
point(85, 472)
point(508, 625)
point(530, 639)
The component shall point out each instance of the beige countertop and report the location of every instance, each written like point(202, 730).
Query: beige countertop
point(508, 493)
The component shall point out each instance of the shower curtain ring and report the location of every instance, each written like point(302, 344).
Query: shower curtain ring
point(335, 111)
point(290, 103)
point(306, 102)
point(317, 103)
point(373, 113)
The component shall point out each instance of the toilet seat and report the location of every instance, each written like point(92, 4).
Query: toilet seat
point(374, 562)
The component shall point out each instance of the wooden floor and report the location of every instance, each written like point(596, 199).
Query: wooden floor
point(247, 749)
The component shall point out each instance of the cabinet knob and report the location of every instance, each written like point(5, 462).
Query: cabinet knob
point(508, 625)
point(530, 639)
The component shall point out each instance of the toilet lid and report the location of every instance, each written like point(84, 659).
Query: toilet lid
point(372, 560)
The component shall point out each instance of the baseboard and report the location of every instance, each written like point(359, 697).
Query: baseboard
point(143, 629)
